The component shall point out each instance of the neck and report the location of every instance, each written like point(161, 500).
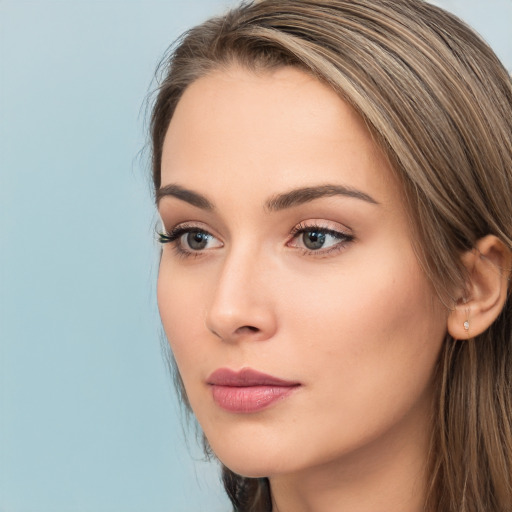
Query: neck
point(388, 475)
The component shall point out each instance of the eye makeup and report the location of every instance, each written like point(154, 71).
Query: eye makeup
point(317, 238)
point(189, 240)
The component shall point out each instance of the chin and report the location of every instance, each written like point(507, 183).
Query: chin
point(251, 459)
point(257, 469)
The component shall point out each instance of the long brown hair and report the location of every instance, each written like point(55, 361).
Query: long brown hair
point(439, 102)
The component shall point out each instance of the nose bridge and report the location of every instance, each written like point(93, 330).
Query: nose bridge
point(241, 305)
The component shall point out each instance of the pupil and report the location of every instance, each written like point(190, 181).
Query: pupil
point(197, 240)
point(313, 240)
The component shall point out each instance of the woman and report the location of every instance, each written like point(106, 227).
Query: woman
point(334, 181)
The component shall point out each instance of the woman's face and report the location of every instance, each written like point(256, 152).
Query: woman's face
point(289, 253)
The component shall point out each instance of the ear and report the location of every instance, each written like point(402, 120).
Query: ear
point(488, 266)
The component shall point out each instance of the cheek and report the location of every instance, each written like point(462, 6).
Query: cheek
point(182, 313)
point(374, 306)
point(371, 337)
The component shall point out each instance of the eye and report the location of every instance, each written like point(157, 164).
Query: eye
point(317, 239)
point(195, 240)
point(189, 239)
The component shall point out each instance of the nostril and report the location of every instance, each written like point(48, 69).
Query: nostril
point(248, 328)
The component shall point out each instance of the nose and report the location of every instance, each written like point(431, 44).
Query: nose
point(242, 304)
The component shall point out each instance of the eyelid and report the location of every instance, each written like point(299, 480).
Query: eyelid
point(336, 230)
point(340, 237)
point(174, 237)
point(323, 225)
point(188, 225)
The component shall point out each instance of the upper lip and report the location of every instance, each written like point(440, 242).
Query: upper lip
point(246, 377)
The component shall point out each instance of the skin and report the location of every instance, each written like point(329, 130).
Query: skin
point(356, 322)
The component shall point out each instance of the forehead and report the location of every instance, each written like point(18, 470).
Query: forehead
point(240, 130)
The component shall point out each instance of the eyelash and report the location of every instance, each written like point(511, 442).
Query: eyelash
point(174, 235)
point(343, 239)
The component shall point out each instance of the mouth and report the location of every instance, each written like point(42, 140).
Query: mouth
point(248, 391)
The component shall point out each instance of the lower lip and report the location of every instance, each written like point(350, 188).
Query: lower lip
point(249, 399)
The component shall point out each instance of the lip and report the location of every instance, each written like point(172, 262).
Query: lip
point(247, 390)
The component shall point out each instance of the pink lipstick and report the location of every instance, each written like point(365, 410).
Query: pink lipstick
point(247, 391)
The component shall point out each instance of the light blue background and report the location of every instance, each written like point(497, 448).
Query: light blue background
point(88, 420)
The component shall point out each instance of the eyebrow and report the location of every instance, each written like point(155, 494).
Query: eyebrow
point(276, 203)
point(305, 195)
point(184, 194)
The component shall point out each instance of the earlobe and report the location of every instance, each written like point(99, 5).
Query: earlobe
point(488, 267)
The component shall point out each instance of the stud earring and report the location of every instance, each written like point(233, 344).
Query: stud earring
point(466, 323)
